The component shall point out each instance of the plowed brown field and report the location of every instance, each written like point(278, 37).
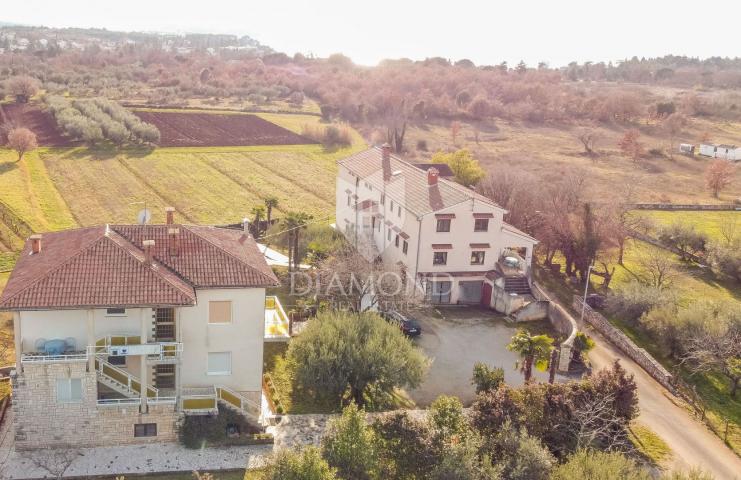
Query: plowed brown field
point(182, 129)
point(35, 119)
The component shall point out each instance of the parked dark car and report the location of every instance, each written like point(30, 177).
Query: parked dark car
point(409, 326)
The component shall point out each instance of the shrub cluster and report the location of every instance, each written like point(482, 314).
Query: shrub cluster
point(199, 431)
point(330, 136)
point(96, 119)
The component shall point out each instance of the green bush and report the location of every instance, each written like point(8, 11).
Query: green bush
point(198, 431)
point(485, 378)
point(634, 299)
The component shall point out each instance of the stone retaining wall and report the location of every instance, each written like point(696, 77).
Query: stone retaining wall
point(625, 344)
point(562, 321)
point(676, 206)
point(41, 421)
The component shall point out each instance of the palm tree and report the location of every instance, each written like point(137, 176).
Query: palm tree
point(582, 344)
point(533, 349)
point(291, 224)
point(258, 211)
point(270, 204)
point(303, 219)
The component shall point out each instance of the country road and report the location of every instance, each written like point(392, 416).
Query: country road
point(691, 442)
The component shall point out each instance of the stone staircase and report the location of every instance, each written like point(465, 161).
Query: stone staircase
point(518, 285)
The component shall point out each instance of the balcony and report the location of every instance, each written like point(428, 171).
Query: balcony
point(124, 345)
point(277, 323)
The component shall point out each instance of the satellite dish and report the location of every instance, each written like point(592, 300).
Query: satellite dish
point(144, 216)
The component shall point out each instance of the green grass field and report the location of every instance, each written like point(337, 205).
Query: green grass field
point(708, 222)
point(56, 188)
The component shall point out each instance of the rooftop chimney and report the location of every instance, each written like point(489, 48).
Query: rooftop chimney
point(148, 251)
point(173, 241)
point(432, 174)
point(386, 163)
point(246, 225)
point(35, 244)
point(170, 213)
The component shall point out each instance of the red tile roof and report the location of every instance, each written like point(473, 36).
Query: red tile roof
point(105, 267)
point(409, 185)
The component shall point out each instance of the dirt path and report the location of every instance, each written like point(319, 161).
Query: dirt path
point(691, 442)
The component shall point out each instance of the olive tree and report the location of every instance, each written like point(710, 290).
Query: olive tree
point(345, 355)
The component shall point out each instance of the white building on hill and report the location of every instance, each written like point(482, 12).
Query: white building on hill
point(451, 241)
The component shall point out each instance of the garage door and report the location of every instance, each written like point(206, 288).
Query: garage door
point(469, 292)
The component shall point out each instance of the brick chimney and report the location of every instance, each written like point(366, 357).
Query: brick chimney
point(148, 251)
point(173, 241)
point(35, 244)
point(170, 214)
point(432, 174)
point(386, 161)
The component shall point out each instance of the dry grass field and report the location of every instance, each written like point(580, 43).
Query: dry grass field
point(548, 151)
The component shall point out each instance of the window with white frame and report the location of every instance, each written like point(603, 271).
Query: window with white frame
point(220, 312)
point(220, 363)
point(69, 390)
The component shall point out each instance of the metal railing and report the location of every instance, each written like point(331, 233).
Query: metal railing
point(199, 401)
point(272, 304)
point(237, 400)
point(41, 358)
point(165, 350)
point(123, 378)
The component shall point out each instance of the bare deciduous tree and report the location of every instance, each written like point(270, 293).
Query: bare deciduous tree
point(21, 140)
point(589, 138)
point(657, 267)
point(716, 346)
point(23, 87)
point(673, 125)
point(631, 146)
point(349, 279)
point(54, 461)
point(719, 175)
point(594, 424)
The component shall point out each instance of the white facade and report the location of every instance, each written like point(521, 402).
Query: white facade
point(375, 216)
point(242, 338)
point(726, 152)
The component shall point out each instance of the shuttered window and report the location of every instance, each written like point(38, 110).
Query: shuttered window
point(220, 312)
point(220, 363)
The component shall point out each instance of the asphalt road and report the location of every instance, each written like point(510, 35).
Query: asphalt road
point(692, 444)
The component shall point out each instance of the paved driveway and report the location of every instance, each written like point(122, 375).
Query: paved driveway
point(457, 340)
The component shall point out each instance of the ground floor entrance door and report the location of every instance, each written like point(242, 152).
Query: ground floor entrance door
point(439, 292)
point(470, 292)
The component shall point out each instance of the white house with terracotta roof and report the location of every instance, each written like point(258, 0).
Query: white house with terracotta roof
point(121, 329)
point(449, 239)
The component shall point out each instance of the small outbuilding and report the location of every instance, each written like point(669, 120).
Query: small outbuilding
point(726, 152)
point(687, 148)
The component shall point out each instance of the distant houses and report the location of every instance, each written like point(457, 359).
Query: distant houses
point(727, 152)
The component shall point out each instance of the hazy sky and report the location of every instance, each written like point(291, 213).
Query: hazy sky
point(486, 31)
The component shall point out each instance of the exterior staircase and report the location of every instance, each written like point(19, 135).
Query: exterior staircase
point(234, 401)
point(518, 285)
point(205, 401)
point(121, 381)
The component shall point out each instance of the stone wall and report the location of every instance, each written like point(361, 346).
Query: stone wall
point(41, 421)
point(625, 344)
point(562, 321)
point(537, 310)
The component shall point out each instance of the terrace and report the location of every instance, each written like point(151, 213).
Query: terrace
point(277, 323)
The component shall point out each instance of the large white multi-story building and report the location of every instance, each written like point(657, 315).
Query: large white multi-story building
point(121, 329)
point(450, 240)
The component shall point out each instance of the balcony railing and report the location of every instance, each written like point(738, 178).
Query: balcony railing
point(41, 357)
point(124, 345)
point(277, 323)
point(199, 401)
